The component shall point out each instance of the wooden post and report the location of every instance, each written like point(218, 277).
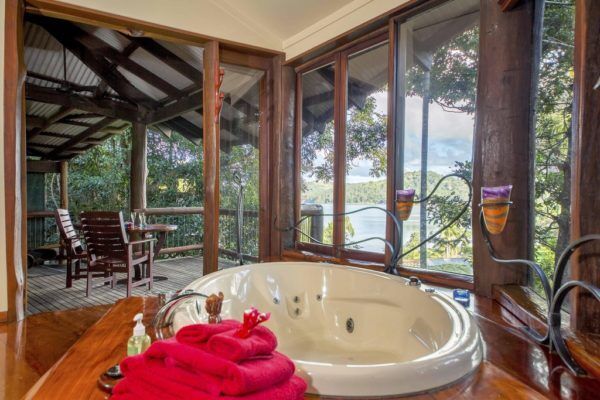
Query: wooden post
point(211, 142)
point(64, 185)
point(139, 168)
point(585, 187)
point(15, 166)
point(503, 143)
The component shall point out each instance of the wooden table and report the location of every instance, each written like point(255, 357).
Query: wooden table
point(513, 366)
point(160, 230)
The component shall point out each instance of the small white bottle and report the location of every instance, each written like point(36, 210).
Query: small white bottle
point(139, 342)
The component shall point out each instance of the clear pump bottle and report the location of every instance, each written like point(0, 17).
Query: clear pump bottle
point(139, 342)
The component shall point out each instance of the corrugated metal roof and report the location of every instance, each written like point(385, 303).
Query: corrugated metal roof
point(45, 56)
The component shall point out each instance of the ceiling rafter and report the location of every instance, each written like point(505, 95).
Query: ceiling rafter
point(69, 144)
point(169, 58)
point(67, 36)
point(105, 107)
point(61, 113)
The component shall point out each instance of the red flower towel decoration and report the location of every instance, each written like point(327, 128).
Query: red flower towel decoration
point(251, 319)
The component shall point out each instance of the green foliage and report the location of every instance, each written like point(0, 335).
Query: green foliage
point(99, 178)
point(553, 135)
point(348, 231)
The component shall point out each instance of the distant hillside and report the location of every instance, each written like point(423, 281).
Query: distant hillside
point(374, 192)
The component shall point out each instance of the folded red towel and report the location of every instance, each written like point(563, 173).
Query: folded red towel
point(236, 378)
point(205, 382)
point(200, 333)
point(147, 386)
point(260, 341)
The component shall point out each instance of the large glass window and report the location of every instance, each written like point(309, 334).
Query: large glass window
point(240, 125)
point(366, 146)
point(317, 153)
point(553, 136)
point(437, 74)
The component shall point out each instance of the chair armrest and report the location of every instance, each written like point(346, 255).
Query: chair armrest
point(142, 241)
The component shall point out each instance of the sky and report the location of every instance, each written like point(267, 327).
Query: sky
point(450, 139)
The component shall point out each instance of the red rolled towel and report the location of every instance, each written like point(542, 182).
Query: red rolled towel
point(200, 333)
point(236, 378)
point(261, 341)
point(147, 386)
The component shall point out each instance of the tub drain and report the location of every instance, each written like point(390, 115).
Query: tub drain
point(349, 325)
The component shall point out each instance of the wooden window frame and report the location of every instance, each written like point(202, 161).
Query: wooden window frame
point(339, 57)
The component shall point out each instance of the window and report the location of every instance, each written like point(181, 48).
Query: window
point(317, 154)
point(344, 154)
point(240, 129)
point(437, 82)
point(553, 136)
point(366, 147)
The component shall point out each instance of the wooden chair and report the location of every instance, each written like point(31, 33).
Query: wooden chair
point(71, 244)
point(110, 251)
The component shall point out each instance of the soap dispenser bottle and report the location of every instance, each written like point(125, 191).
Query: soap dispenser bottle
point(139, 342)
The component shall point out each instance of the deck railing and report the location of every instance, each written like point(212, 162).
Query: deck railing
point(41, 230)
point(186, 240)
point(313, 225)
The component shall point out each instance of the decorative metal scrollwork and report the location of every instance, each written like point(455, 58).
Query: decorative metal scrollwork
point(397, 246)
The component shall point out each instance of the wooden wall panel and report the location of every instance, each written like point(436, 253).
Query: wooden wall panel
point(211, 153)
point(585, 188)
point(14, 160)
point(503, 143)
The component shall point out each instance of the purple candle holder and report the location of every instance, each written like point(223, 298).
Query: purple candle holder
point(404, 202)
point(495, 203)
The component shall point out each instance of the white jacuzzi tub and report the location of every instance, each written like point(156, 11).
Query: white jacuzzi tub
point(350, 331)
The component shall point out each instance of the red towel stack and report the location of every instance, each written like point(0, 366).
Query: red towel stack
point(206, 362)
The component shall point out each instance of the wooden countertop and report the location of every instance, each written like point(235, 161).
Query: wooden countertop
point(513, 366)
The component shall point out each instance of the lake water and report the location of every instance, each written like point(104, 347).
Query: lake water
point(371, 223)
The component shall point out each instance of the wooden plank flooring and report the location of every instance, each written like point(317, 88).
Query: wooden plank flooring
point(47, 291)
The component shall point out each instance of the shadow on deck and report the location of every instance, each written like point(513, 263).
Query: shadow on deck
point(47, 291)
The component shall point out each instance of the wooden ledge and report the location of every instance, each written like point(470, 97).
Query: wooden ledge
point(525, 304)
point(585, 349)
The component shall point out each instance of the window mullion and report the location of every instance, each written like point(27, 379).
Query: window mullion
point(339, 158)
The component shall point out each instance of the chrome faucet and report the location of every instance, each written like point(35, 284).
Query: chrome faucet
point(164, 316)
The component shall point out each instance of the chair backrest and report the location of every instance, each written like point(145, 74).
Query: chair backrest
point(104, 233)
point(68, 234)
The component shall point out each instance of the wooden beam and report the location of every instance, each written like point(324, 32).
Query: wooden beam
point(184, 127)
point(34, 122)
point(96, 62)
point(585, 183)
point(43, 166)
point(15, 187)
point(139, 166)
point(61, 113)
point(181, 106)
point(119, 59)
point(64, 185)
point(106, 107)
point(81, 137)
point(168, 57)
point(211, 159)
point(503, 142)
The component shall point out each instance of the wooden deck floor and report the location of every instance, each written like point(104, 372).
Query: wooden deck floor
point(47, 292)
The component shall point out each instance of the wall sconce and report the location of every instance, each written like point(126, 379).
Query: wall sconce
point(492, 220)
point(404, 203)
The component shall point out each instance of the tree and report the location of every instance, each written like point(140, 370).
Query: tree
point(553, 134)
